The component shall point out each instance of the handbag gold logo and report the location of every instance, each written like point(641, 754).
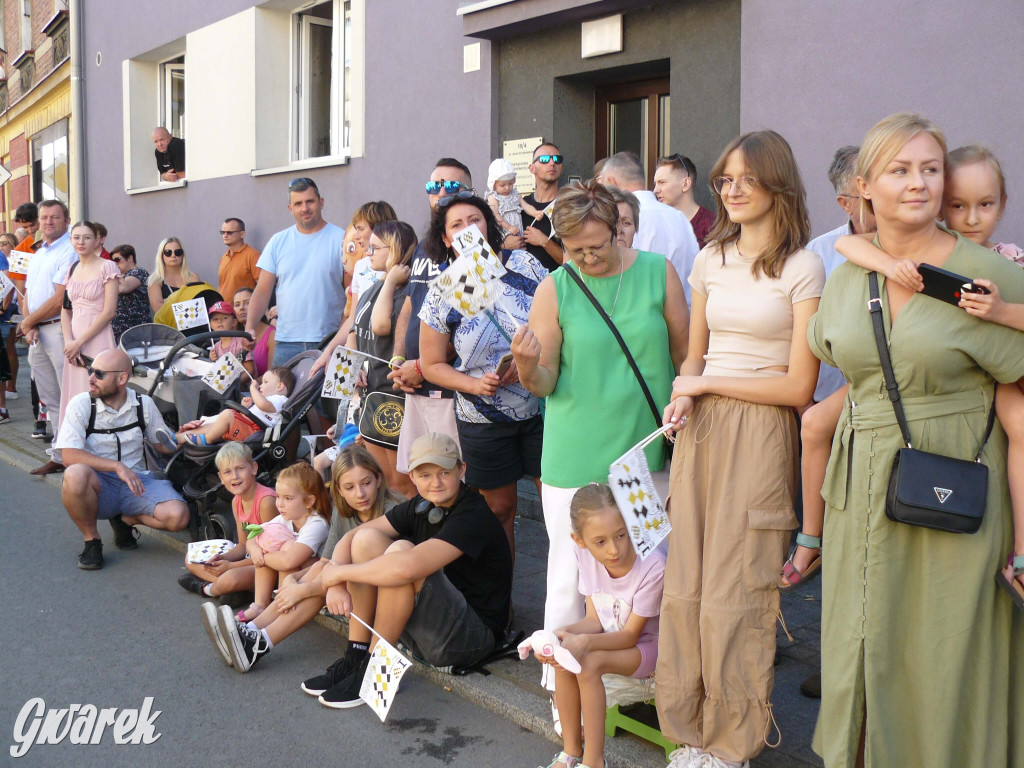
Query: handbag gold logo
point(387, 419)
point(942, 494)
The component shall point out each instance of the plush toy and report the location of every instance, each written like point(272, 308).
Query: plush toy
point(271, 536)
point(546, 644)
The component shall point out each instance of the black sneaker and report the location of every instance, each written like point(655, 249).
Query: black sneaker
point(246, 646)
point(340, 669)
point(91, 558)
point(345, 693)
point(40, 431)
point(192, 583)
point(125, 536)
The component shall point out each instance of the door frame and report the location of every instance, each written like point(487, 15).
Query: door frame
point(606, 95)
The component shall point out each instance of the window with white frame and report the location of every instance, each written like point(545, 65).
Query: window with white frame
point(172, 96)
point(50, 163)
point(320, 73)
point(26, 25)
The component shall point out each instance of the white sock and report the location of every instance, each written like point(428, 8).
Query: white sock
point(207, 589)
point(266, 636)
point(252, 625)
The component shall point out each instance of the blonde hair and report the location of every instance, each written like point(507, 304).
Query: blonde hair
point(582, 202)
point(885, 139)
point(971, 155)
point(309, 482)
point(352, 457)
point(400, 238)
point(157, 276)
point(770, 160)
point(587, 501)
point(231, 452)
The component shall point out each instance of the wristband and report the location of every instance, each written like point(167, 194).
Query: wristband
point(416, 365)
point(396, 361)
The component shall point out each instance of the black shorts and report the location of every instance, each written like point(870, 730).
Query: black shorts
point(499, 453)
point(443, 629)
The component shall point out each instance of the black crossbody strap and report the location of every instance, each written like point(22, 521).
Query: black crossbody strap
point(889, 376)
point(618, 338)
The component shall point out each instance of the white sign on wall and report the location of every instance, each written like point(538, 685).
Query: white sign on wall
point(519, 152)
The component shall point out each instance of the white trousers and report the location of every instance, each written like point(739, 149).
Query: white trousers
point(564, 604)
point(46, 357)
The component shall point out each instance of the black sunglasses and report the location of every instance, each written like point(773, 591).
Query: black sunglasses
point(545, 159)
point(458, 197)
point(175, 252)
point(100, 375)
point(117, 259)
point(683, 161)
point(303, 182)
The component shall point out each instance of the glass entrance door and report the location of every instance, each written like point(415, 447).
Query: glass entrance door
point(634, 117)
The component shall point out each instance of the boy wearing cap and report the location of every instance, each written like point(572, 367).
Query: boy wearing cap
point(435, 571)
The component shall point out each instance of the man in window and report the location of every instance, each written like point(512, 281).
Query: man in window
point(170, 155)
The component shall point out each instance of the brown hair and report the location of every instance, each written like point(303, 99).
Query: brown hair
point(770, 160)
point(350, 458)
point(309, 482)
point(622, 196)
point(886, 138)
point(582, 202)
point(971, 155)
point(401, 238)
point(374, 213)
point(588, 500)
point(286, 376)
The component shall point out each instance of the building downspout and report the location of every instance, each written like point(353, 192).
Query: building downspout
point(76, 159)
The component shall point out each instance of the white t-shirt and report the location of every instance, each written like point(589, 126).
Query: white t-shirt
point(313, 532)
point(363, 276)
point(665, 230)
point(271, 419)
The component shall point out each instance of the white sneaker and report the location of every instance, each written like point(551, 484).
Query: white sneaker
point(687, 757)
point(12, 395)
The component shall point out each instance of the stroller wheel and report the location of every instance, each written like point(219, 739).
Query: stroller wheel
point(220, 526)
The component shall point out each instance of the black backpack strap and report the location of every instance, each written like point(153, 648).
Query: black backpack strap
point(91, 426)
point(618, 337)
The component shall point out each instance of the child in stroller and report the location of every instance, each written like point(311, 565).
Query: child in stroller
point(265, 404)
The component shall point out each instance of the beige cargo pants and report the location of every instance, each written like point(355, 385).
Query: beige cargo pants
point(733, 478)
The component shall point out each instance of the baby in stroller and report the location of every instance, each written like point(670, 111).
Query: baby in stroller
point(264, 403)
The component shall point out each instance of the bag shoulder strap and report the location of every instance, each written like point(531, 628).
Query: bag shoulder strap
point(889, 376)
point(618, 337)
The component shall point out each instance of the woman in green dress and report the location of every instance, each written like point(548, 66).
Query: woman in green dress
point(922, 657)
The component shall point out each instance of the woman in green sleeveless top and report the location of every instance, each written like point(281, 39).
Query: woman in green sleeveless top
point(596, 410)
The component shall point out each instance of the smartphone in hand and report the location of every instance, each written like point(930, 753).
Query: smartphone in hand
point(503, 365)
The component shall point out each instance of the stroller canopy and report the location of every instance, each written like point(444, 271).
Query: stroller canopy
point(204, 291)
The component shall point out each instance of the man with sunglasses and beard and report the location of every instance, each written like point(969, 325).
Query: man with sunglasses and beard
point(435, 571)
point(547, 170)
point(101, 439)
point(304, 263)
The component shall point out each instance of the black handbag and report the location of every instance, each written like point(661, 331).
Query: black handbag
point(928, 489)
point(380, 419)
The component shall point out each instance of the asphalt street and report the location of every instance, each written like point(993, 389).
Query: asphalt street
point(114, 637)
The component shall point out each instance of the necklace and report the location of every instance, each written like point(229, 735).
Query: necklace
point(622, 268)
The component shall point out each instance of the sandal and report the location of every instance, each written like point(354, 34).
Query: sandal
point(1012, 586)
point(567, 760)
point(793, 575)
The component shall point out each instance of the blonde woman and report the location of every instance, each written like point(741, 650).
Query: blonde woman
point(921, 653)
point(170, 273)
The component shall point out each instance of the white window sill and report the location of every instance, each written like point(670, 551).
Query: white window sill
point(163, 185)
point(304, 165)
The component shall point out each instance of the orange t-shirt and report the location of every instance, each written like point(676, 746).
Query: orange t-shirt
point(237, 271)
point(25, 246)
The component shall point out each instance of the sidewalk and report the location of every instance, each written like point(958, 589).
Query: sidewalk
point(513, 687)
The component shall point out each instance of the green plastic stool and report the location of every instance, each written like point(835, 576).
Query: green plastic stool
point(614, 719)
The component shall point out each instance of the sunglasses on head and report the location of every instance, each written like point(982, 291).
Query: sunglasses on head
point(303, 181)
point(174, 252)
point(458, 197)
point(449, 187)
point(100, 375)
point(545, 159)
point(434, 513)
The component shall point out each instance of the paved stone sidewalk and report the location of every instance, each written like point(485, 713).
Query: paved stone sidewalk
point(513, 687)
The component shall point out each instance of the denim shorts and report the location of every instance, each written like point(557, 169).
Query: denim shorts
point(443, 630)
point(117, 499)
point(286, 350)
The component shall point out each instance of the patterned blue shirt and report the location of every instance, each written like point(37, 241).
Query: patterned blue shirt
point(480, 345)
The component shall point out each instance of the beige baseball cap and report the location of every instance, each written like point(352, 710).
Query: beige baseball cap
point(434, 448)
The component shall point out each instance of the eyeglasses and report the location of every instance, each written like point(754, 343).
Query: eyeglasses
point(230, 231)
point(850, 197)
point(449, 187)
point(458, 197)
point(301, 183)
point(581, 253)
point(742, 185)
point(175, 252)
point(545, 159)
point(100, 375)
point(372, 249)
